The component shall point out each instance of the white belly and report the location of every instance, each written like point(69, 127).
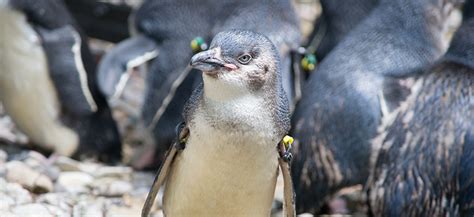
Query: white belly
point(26, 89)
point(222, 173)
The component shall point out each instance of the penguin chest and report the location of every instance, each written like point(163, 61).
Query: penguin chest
point(26, 89)
point(223, 172)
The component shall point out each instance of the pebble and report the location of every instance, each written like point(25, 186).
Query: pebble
point(75, 182)
point(67, 164)
point(62, 200)
point(31, 210)
point(3, 156)
point(18, 193)
point(3, 170)
point(57, 211)
point(89, 167)
point(35, 160)
point(32, 180)
point(118, 172)
point(111, 187)
point(121, 211)
point(8, 214)
point(89, 208)
point(5, 202)
point(52, 172)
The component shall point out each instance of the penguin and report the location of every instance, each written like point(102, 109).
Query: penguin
point(164, 31)
point(343, 104)
point(233, 122)
point(425, 163)
point(47, 82)
point(336, 20)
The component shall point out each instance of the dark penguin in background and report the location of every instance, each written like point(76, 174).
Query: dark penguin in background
point(342, 101)
point(426, 162)
point(170, 26)
point(48, 79)
point(337, 19)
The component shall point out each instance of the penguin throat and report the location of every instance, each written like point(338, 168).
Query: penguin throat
point(225, 89)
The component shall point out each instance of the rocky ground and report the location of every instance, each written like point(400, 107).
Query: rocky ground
point(32, 185)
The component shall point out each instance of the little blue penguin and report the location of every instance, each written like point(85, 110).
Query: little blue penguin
point(336, 20)
point(425, 166)
point(236, 118)
point(166, 28)
point(47, 81)
point(342, 103)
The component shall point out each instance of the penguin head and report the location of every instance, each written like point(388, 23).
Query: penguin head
point(238, 60)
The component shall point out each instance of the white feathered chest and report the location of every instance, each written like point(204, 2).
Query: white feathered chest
point(229, 166)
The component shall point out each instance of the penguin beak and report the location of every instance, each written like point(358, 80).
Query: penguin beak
point(209, 61)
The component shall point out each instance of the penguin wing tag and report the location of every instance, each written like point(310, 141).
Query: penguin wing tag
point(62, 48)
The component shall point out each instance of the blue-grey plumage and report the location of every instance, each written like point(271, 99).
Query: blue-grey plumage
point(343, 101)
point(336, 20)
point(235, 120)
point(425, 163)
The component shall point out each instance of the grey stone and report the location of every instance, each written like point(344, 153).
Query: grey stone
point(57, 211)
point(31, 210)
point(3, 156)
point(52, 172)
point(6, 213)
point(35, 160)
point(63, 200)
point(32, 180)
point(89, 208)
point(111, 187)
point(6, 202)
point(118, 171)
point(120, 211)
point(3, 170)
point(89, 167)
point(75, 182)
point(3, 184)
point(18, 193)
point(67, 164)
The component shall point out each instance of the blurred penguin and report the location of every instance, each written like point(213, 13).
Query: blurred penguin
point(343, 103)
point(48, 83)
point(425, 164)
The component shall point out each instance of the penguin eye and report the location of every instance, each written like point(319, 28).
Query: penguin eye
point(244, 59)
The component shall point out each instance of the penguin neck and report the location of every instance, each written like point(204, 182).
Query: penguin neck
point(221, 91)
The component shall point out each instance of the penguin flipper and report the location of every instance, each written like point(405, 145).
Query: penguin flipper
point(63, 50)
point(121, 59)
point(160, 178)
